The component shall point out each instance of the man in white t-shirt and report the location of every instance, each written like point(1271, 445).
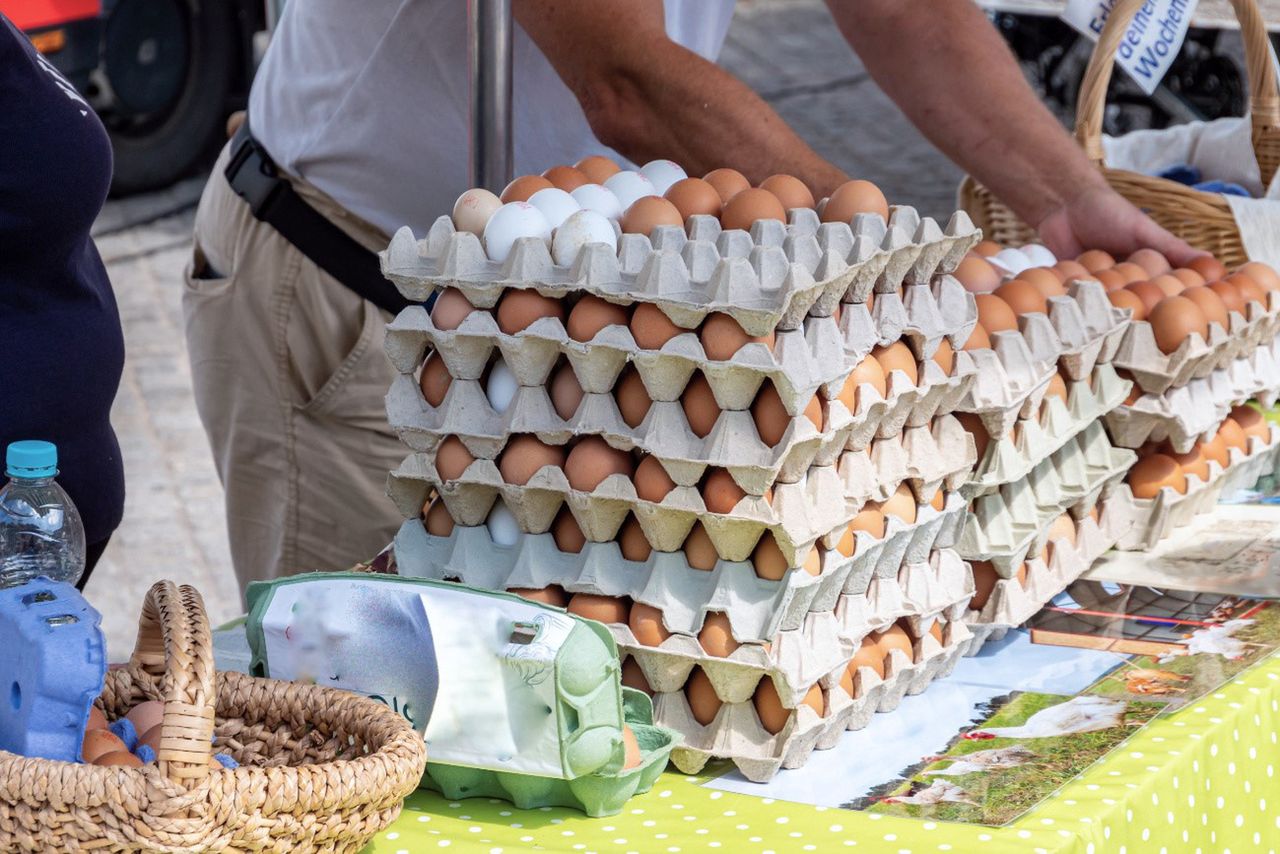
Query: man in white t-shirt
point(363, 107)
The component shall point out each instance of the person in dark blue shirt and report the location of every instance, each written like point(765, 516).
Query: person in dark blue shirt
point(61, 346)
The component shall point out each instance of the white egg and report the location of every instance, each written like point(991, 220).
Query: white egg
point(662, 174)
point(1011, 261)
point(511, 222)
point(556, 205)
point(1038, 255)
point(502, 387)
point(629, 186)
point(594, 197)
point(504, 530)
point(577, 231)
point(473, 209)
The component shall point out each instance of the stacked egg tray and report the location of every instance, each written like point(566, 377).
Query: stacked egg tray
point(1152, 519)
point(1184, 414)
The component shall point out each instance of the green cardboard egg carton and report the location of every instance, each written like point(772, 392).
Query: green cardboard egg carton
point(528, 706)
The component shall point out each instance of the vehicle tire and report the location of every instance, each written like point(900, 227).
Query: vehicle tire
point(169, 67)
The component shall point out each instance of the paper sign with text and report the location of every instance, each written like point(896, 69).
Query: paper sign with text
point(1152, 41)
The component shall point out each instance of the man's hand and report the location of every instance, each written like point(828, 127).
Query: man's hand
point(1100, 218)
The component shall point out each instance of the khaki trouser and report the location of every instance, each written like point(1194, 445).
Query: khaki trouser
point(290, 377)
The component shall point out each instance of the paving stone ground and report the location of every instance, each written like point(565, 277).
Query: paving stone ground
point(174, 526)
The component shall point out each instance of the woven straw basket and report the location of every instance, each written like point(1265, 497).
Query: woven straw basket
point(320, 769)
point(1202, 219)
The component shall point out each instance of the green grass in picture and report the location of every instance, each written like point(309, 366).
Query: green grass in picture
point(997, 796)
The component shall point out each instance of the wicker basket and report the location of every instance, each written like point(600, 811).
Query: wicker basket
point(1202, 219)
point(321, 769)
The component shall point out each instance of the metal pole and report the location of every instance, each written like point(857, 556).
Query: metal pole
point(489, 28)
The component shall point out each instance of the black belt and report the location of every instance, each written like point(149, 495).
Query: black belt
point(254, 177)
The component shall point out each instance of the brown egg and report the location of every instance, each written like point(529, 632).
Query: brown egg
point(813, 561)
point(995, 315)
point(1046, 280)
point(773, 717)
point(1193, 462)
point(1095, 260)
point(592, 314)
point(1132, 272)
point(632, 757)
point(868, 372)
point(984, 583)
point(1123, 298)
point(435, 379)
point(1023, 568)
point(852, 198)
point(1229, 295)
point(1233, 434)
point(974, 427)
point(1110, 279)
point(945, 356)
point(98, 742)
point(652, 481)
point(1206, 265)
point(769, 415)
point(632, 542)
point(1072, 270)
point(1150, 293)
point(450, 309)
point(649, 212)
point(791, 191)
point(846, 682)
point(651, 327)
point(632, 397)
point(592, 460)
point(901, 504)
point(868, 655)
point(869, 519)
point(720, 492)
point(1063, 528)
point(151, 738)
point(97, 720)
point(977, 275)
point(525, 455)
point(814, 412)
point(602, 609)
point(633, 676)
point(646, 624)
point(1174, 320)
point(1151, 474)
point(1216, 450)
point(523, 187)
point(727, 182)
point(700, 407)
point(597, 168)
point(1057, 388)
point(694, 196)
point(1170, 284)
point(1250, 291)
point(895, 637)
point(987, 248)
point(519, 309)
point(750, 205)
point(1189, 278)
point(1151, 261)
point(848, 543)
point(716, 637)
point(978, 339)
point(437, 520)
point(703, 702)
point(935, 631)
point(722, 337)
point(566, 533)
point(1263, 275)
point(1210, 304)
point(897, 357)
point(1252, 422)
point(699, 551)
point(118, 759)
point(452, 458)
point(566, 394)
point(767, 558)
point(938, 501)
point(567, 178)
point(1022, 297)
point(552, 595)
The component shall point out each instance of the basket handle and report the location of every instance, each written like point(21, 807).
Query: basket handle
point(174, 652)
point(1264, 100)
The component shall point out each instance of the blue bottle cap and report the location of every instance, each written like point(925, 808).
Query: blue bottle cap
point(31, 458)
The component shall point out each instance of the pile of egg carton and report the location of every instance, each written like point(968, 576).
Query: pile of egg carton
point(791, 646)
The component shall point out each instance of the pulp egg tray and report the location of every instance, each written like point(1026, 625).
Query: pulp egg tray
point(1005, 525)
point(757, 608)
point(1184, 414)
point(1012, 457)
point(1152, 519)
point(1081, 329)
point(1008, 383)
point(928, 458)
point(1156, 372)
point(736, 733)
point(919, 314)
point(767, 279)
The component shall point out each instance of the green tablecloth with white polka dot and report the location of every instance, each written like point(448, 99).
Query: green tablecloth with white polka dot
point(1200, 779)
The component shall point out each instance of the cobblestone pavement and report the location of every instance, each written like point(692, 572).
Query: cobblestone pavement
point(174, 527)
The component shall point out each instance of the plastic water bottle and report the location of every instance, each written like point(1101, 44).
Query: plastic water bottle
point(40, 529)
